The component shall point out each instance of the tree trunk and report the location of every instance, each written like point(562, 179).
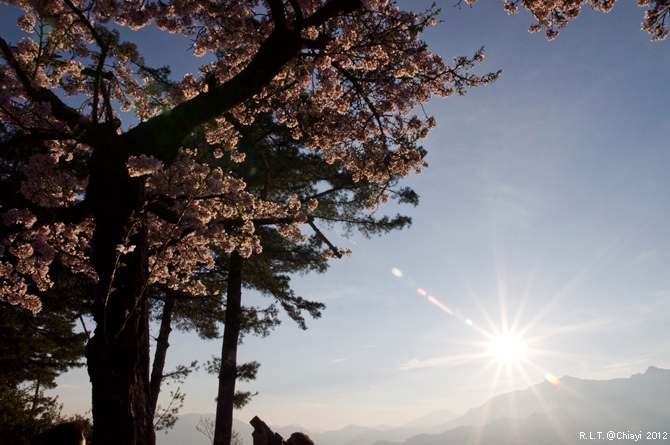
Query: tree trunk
point(118, 369)
point(162, 345)
point(118, 353)
point(228, 371)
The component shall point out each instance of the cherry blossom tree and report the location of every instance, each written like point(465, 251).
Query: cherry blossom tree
point(132, 204)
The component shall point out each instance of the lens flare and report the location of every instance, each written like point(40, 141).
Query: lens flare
point(505, 346)
point(551, 378)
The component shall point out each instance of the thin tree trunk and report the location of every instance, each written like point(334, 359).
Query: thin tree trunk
point(33, 406)
point(162, 345)
point(228, 371)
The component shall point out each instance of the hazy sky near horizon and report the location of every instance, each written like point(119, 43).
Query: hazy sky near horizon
point(545, 212)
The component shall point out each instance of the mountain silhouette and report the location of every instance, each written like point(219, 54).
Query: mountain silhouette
point(564, 413)
point(545, 413)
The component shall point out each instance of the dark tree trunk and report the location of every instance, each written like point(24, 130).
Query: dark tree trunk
point(162, 345)
point(228, 372)
point(118, 353)
point(118, 368)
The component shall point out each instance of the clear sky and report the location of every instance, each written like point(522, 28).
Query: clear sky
point(545, 213)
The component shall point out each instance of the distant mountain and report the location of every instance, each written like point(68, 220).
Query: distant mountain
point(642, 395)
point(346, 435)
point(537, 429)
point(184, 431)
point(435, 418)
point(557, 413)
point(545, 414)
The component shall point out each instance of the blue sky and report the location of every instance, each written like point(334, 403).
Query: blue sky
point(545, 212)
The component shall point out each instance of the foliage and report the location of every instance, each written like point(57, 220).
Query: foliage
point(38, 347)
point(246, 372)
point(24, 411)
point(165, 417)
point(34, 350)
point(278, 167)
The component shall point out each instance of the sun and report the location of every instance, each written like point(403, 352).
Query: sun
point(508, 348)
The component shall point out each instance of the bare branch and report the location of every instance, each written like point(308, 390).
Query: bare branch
point(325, 239)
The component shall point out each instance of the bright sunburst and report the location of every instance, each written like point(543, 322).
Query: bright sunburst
point(508, 348)
point(505, 344)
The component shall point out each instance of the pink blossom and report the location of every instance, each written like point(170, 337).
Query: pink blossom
point(143, 165)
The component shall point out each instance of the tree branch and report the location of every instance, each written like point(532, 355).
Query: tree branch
point(333, 8)
point(33, 136)
point(46, 216)
point(299, 16)
point(278, 13)
point(325, 239)
point(58, 109)
point(104, 48)
point(361, 92)
point(162, 135)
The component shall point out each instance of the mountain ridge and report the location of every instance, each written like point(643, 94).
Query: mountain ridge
point(561, 410)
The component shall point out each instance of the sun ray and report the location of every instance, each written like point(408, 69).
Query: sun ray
point(506, 349)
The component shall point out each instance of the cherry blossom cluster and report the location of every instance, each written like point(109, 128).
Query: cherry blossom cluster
point(553, 15)
point(26, 256)
point(351, 95)
point(50, 179)
point(208, 208)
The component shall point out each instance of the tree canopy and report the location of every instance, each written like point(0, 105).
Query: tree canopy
point(102, 176)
